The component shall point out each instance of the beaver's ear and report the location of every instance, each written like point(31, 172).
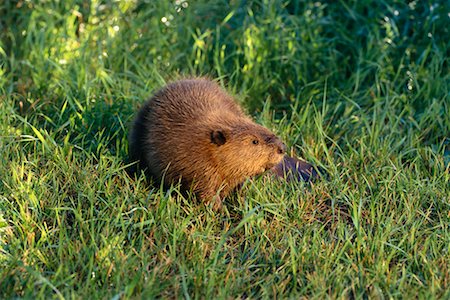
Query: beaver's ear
point(219, 137)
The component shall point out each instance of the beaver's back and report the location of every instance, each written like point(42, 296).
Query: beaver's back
point(188, 99)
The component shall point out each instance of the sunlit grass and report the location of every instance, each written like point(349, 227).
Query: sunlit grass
point(359, 88)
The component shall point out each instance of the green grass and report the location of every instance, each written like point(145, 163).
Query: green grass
point(360, 88)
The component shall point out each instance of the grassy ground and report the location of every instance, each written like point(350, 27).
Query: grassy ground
point(358, 87)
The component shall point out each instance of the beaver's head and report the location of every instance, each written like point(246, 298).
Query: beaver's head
point(246, 149)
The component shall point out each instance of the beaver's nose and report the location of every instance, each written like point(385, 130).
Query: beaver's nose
point(279, 145)
point(281, 148)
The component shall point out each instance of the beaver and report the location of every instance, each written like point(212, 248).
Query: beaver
point(193, 132)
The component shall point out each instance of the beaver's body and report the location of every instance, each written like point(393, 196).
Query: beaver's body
point(193, 131)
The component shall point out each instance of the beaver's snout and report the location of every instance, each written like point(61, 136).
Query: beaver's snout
point(277, 143)
point(281, 147)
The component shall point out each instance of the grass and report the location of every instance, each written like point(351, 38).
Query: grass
point(360, 88)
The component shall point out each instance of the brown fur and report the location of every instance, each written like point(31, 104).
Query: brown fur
point(193, 131)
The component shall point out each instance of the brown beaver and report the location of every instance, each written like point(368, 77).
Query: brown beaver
point(192, 131)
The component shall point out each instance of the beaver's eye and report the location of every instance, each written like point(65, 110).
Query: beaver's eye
point(255, 142)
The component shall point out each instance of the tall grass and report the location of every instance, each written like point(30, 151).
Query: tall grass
point(360, 88)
